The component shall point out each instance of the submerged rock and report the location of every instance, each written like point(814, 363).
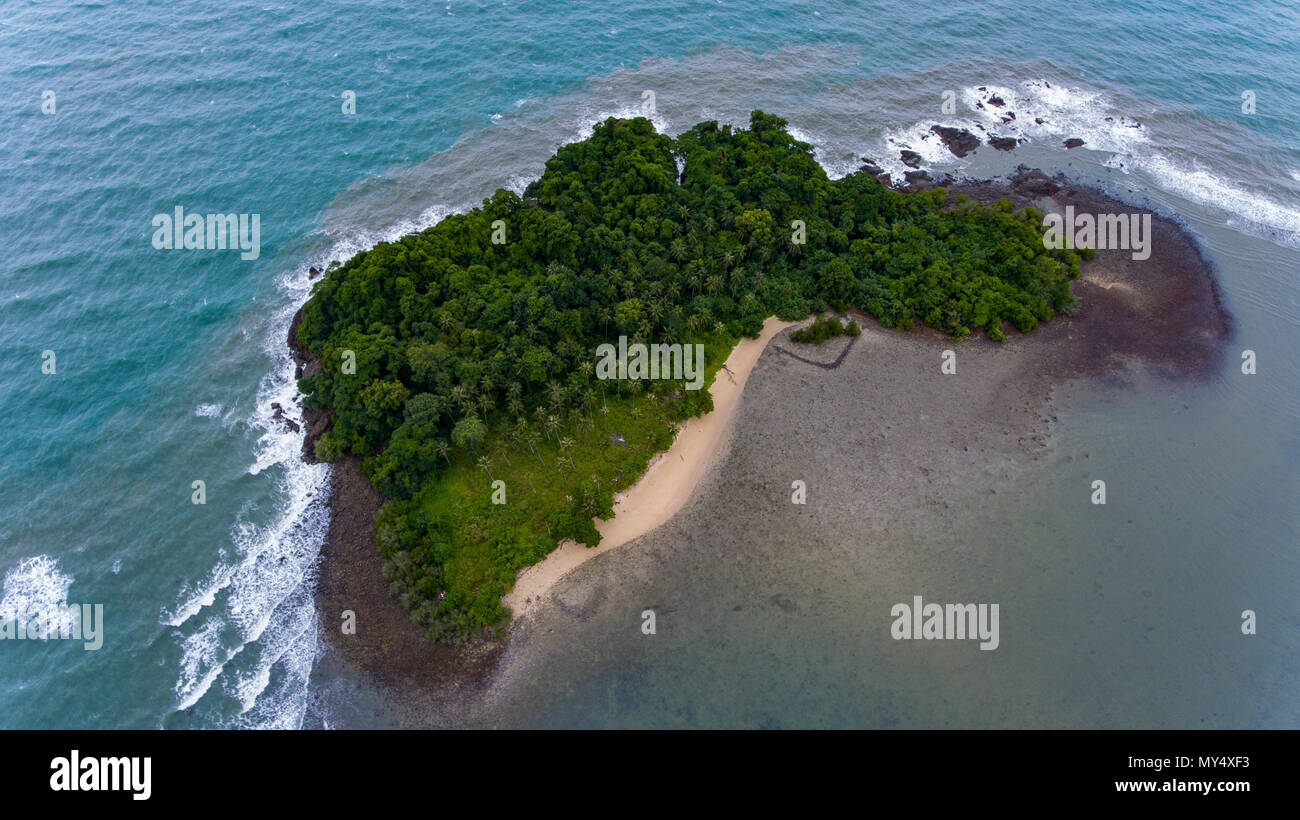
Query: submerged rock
point(911, 159)
point(1073, 142)
point(959, 141)
point(1002, 143)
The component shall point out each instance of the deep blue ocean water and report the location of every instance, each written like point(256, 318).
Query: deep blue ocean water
point(167, 361)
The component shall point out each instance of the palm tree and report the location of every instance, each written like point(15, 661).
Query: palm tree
point(442, 448)
point(460, 395)
point(485, 466)
point(677, 250)
point(531, 438)
point(566, 444)
point(528, 437)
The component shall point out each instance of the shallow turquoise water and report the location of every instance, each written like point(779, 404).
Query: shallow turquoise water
point(167, 361)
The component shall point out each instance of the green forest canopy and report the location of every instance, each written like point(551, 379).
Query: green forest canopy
point(474, 360)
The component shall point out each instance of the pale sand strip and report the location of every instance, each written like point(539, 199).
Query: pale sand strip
point(666, 485)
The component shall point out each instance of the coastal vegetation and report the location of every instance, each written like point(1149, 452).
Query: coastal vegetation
point(824, 328)
point(457, 362)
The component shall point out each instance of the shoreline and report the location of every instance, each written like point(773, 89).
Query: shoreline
point(668, 482)
point(1166, 313)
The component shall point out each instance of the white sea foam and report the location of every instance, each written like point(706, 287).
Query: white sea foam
point(588, 118)
point(199, 664)
point(259, 640)
point(1244, 210)
point(1049, 112)
point(208, 411)
point(836, 163)
point(37, 587)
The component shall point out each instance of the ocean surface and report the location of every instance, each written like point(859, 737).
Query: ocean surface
point(166, 362)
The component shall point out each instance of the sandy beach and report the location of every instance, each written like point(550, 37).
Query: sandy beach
point(668, 483)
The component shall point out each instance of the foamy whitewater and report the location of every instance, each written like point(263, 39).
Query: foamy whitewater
point(36, 588)
point(169, 362)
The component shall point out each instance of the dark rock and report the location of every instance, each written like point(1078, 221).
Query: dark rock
point(911, 159)
point(313, 273)
point(318, 421)
point(917, 176)
point(318, 424)
point(1002, 143)
point(875, 170)
point(296, 348)
point(959, 141)
point(1036, 183)
point(997, 101)
point(1073, 142)
point(1038, 120)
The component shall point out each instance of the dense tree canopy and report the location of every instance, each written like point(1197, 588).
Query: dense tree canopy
point(473, 359)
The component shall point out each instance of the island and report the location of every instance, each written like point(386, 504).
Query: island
point(457, 365)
